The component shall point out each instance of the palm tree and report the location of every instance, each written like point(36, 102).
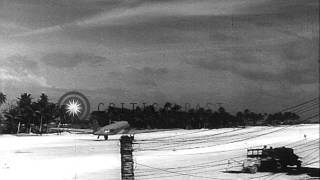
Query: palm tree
point(25, 108)
point(13, 120)
point(45, 111)
point(43, 105)
point(167, 106)
point(3, 98)
point(246, 116)
point(240, 119)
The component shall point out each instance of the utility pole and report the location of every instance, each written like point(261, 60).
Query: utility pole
point(126, 157)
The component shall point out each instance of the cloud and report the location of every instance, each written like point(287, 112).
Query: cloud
point(244, 28)
point(22, 63)
point(69, 60)
point(146, 11)
point(44, 13)
point(22, 70)
point(147, 76)
point(9, 28)
point(290, 63)
point(233, 47)
point(122, 95)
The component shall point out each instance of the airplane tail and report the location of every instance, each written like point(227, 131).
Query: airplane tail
point(98, 119)
point(95, 125)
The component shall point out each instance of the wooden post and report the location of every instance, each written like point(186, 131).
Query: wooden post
point(126, 158)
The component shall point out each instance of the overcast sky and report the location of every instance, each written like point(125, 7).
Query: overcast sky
point(257, 54)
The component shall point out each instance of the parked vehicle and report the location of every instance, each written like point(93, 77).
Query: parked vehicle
point(269, 159)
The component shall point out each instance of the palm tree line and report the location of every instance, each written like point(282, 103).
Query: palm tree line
point(35, 115)
point(173, 116)
point(27, 115)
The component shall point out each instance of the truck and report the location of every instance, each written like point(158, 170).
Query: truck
point(270, 159)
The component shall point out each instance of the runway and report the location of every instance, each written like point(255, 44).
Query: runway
point(55, 157)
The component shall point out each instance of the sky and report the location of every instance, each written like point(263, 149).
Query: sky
point(256, 54)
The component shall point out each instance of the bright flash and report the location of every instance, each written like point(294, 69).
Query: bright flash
point(73, 107)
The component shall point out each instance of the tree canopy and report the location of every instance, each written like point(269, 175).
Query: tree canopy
point(35, 115)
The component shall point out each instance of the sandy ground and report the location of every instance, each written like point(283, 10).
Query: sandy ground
point(218, 154)
point(174, 154)
point(53, 157)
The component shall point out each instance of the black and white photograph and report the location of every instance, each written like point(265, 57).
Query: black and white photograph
point(159, 89)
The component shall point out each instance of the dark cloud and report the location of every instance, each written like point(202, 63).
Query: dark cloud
point(122, 95)
point(284, 7)
point(292, 75)
point(293, 62)
point(232, 46)
point(68, 60)
point(146, 76)
point(43, 13)
point(289, 75)
point(288, 20)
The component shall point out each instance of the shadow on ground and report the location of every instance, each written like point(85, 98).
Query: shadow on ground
point(234, 172)
point(98, 140)
point(312, 172)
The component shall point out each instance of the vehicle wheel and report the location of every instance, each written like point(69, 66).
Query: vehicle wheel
point(243, 170)
point(299, 165)
point(283, 166)
point(253, 169)
point(105, 137)
point(278, 166)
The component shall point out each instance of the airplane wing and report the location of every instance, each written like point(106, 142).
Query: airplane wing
point(86, 131)
point(113, 128)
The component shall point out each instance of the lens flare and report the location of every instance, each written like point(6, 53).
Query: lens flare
point(73, 107)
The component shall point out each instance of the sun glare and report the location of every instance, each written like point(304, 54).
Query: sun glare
point(73, 107)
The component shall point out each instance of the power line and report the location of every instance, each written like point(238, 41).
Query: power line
point(208, 164)
point(195, 139)
point(307, 106)
point(192, 138)
point(293, 107)
point(203, 166)
point(202, 140)
point(195, 167)
point(189, 170)
point(184, 174)
point(166, 137)
point(307, 110)
point(232, 141)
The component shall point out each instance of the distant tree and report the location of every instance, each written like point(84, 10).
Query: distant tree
point(167, 106)
point(45, 110)
point(246, 116)
point(2, 101)
point(3, 98)
point(24, 100)
point(12, 120)
point(61, 112)
point(240, 119)
point(221, 110)
point(222, 116)
point(282, 118)
point(176, 108)
point(25, 109)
